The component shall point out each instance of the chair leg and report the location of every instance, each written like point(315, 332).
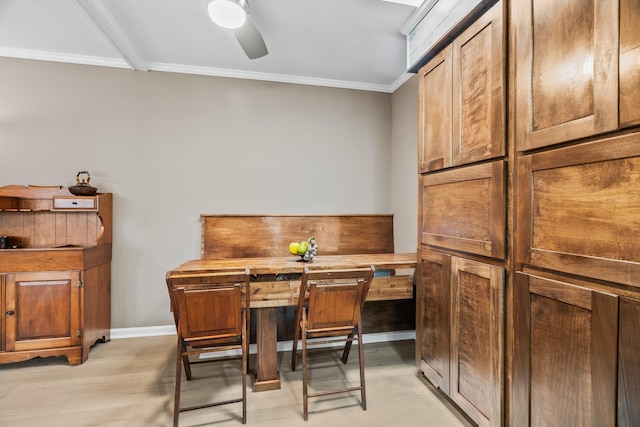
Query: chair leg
point(296, 335)
point(305, 394)
point(176, 394)
point(347, 349)
point(186, 364)
point(245, 352)
point(363, 392)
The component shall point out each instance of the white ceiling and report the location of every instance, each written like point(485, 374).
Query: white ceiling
point(340, 43)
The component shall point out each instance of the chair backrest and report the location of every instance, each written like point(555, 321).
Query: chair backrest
point(211, 311)
point(336, 297)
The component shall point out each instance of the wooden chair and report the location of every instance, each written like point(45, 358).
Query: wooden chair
point(333, 311)
point(211, 316)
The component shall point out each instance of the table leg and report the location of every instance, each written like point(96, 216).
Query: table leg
point(267, 376)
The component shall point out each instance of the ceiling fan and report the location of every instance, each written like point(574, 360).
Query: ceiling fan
point(234, 15)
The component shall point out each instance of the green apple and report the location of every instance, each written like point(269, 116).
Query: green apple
point(302, 247)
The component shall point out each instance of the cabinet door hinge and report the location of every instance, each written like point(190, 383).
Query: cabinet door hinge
point(79, 332)
point(80, 283)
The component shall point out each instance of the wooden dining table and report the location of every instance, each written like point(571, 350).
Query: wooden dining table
point(276, 282)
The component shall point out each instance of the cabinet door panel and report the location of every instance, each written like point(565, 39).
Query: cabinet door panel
point(567, 68)
point(564, 366)
point(464, 209)
point(46, 311)
point(579, 209)
point(434, 309)
point(629, 62)
point(3, 317)
point(629, 363)
point(478, 76)
point(434, 111)
point(477, 332)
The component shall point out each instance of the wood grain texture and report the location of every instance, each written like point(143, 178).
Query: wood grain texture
point(33, 192)
point(562, 84)
point(567, 67)
point(96, 306)
point(3, 306)
point(629, 62)
point(45, 310)
point(266, 377)
point(560, 385)
point(629, 363)
point(276, 293)
point(434, 112)
point(465, 209)
point(521, 365)
point(36, 224)
point(478, 90)
point(433, 333)
point(282, 293)
point(292, 265)
point(566, 361)
point(244, 236)
point(579, 208)
point(477, 340)
point(58, 281)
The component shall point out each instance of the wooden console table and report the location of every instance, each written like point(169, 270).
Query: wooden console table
point(268, 294)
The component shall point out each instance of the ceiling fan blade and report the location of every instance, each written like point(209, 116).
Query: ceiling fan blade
point(251, 40)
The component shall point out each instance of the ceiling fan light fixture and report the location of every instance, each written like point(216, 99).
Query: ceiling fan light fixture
point(230, 14)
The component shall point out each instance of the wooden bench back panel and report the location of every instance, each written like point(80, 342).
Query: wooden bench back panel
point(239, 236)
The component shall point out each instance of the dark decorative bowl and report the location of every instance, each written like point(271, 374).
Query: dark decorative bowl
point(83, 190)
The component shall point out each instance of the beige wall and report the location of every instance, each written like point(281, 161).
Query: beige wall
point(171, 146)
point(404, 165)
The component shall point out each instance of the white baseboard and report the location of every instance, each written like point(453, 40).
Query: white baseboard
point(148, 331)
point(151, 331)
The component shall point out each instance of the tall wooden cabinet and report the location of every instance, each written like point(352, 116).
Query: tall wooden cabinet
point(55, 279)
point(577, 82)
point(463, 199)
point(547, 211)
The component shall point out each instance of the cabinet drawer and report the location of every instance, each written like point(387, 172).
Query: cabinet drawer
point(75, 202)
point(464, 209)
point(578, 209)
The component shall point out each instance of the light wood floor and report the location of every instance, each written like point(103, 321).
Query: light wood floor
point(129, 382)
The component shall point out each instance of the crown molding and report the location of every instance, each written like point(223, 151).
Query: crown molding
point(280, 78)
point(197, 70)
point(41, 55)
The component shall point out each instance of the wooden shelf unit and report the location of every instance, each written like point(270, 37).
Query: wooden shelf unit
point(55, 286)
